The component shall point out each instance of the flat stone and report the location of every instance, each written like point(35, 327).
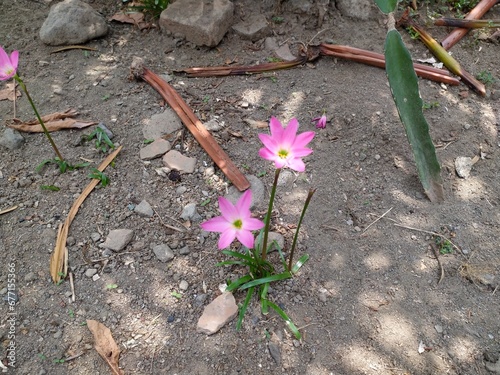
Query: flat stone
point(255, 27)
point(201, 22)
point(72, 22)
point(161, 124)
point(163, 253)
point(258, 193)
point(189, 212)
point(217, 313)
point(144, 209)
point(284, 53)
point(90, 272)
point(118, 239)
point(11, 139)
point(275, 236)
point(154, 150)
point(175, 160)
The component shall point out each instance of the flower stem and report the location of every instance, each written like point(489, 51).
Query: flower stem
point(47, 134)
point(294, 243)
point(269, 212)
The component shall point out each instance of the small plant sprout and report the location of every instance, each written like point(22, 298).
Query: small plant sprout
point(111, 286)
point(8, 70)
point(485, 77)
point(101, 176)
point(176, 295)
point(102, 141)
point(285, 148)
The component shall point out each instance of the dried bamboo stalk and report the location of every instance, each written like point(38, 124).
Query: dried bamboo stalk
point(194, 125)
point(479, 10)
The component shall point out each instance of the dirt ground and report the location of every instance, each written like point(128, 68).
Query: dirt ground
point(367, 299)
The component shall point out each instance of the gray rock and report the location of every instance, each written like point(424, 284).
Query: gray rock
point(154, 150)
point(357, 9)
point(201, 22)
point(280, 240)
point(213, 125)
point(90, 272)
point(284, 53)
point(58, 334)
point(118, 239)
point(286, 177)
point(144, 209)
point(11, 139)
point(175, 160)
point(275, 352)
point(253, 28)
point(183, 285)
point(217, 313)
point(189, 212)
point(258, 192)
point(160, 124)
point(30, 276)
point(163, 253)
point(72, 22)
point(95, 236)
point(184, 250)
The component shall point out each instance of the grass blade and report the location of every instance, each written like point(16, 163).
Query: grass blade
point(287, 320)
point(268, 279)
point(243, 309)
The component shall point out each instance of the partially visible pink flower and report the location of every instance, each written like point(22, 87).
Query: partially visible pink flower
point(320, 122)
point(8, 65)
point(235, 222)
point(284, 146)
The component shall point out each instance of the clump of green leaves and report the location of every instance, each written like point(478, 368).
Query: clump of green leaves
point(101, 176)
point(102, 141)
point(444, 245)
point(152, 7)
point(462, 5)
point(485, 77)
point(430, 105)
point(62, 164)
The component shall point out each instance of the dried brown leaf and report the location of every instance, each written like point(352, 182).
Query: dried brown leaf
point(54, 122)
point(105, 345)
point(136, 18)
point(8, 92)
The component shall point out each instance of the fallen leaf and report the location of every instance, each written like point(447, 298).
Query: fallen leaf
point(53, 122)
point(136, 18)
point(8, 92)
point(105, 345)
point(255, 124)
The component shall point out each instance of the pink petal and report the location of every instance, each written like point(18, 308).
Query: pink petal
point(280, 163)
point(269, 142)
point(303, 139)
point(229, 212)
point(226, 238)
point(290, 133)
point(266, 154)
point(14, 59)
point(301, 152)
point(4, 58)
point(245, 237)
point(216, 224)
point(297, 165)
point(252, 224)
point(243, 204)
point(276, 128)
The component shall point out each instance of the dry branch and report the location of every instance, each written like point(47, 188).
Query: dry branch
point(201, 134)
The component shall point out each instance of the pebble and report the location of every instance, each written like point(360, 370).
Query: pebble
point(118, 239)
point(439, 328)
point(144, 209)
point(90, 272)
point(95, 236)
point(163, 253)
point(58, 334)
point(189, 212)
point(180, 190)
point(217, 313)
point(184, 250)
point(30, 276)
point(183, 285)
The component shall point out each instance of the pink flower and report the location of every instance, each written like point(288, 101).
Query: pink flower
point(8, 65)
point(320, 122)
point(284, 146)
point(235, 222)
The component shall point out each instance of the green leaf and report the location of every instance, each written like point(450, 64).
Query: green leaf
point(404, 88)
point(243, 308)
point(287, 320)
point(231, 262)
point(263, 299)
point(235, 254)
point(300, 263)
point(235, 284)
point(386, 6)
point(50, 187)
point(268, 279)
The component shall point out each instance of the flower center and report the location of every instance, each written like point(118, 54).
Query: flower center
point(238, 224)
point(283, 154)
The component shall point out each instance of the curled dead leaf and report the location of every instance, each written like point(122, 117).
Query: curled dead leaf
point(105, 345)
point(53, 122)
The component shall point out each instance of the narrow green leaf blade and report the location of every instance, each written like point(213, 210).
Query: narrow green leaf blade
point(243, 309)
point(404, 87)
point(287, 320)
point(386, 6)
point(235, 284)
point(264, 280)
point(300, 263)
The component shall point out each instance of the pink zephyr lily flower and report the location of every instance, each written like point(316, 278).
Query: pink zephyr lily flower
point(8, 65)
point(284, 146)
point(320, 122)
point(235, 222)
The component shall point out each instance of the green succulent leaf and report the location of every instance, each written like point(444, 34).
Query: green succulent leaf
point(386, 6)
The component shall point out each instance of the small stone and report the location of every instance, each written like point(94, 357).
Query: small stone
point(438, 328)
point(200, 299)
point(377, 157)
point(322, 295)
point(30, 276)
point(118, 239)
point(275, 236)
point(58, 334)
point(217, 313)
point(184, 250)
point(161, 124)
point(175, 160)
point(90, 272)
point(189, 212)
point(163, 253)
point(95, 236)
point(180, 190)
point(275, 352)
point(11, 139)
point(154, 150)
point(183, 285)
point(144, 209)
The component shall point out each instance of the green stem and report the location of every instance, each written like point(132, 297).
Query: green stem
point(306, 204)
point(269, 211)
point(47, 134)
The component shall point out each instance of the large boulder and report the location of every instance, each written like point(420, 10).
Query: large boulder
point(202, 22)
point(72, 22)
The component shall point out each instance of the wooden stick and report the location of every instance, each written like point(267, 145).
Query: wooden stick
point(378, 60)
point(72, 284)
point(480, 10)
point(197, 129)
